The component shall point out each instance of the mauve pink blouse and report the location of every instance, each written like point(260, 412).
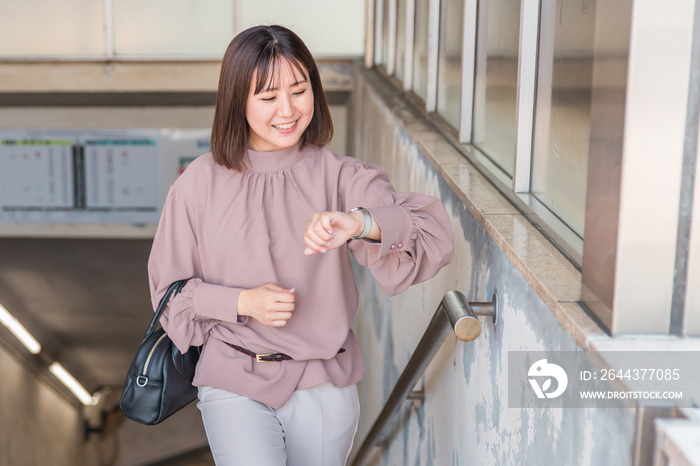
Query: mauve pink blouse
point(230, 230)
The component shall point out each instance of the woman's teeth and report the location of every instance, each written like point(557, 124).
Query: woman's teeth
point(285, 126)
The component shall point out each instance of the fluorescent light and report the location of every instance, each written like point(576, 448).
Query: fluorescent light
point(26, 338)
point(73, 385)
point(18, 330)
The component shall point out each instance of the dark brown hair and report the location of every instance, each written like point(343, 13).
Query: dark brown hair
point(260, 50)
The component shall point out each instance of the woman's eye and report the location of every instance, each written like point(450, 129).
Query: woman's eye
point(268, 99)
point(300, 92)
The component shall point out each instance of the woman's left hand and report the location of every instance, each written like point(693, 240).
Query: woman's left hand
point(329, 230)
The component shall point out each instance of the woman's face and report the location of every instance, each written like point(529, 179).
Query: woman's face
point(279, 115)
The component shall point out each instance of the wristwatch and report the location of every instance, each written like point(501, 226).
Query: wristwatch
point(368, 222)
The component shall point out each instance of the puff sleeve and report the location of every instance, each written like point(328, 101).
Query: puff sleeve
point(417, 238)
point(200, 306)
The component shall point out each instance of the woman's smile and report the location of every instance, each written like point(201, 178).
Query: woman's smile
point(285, 126)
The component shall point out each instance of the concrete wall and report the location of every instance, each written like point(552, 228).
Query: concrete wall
point(37, 425)
point(465, 418)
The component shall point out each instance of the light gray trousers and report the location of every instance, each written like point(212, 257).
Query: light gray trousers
point(315, 427)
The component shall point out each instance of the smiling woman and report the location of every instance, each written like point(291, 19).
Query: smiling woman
point(269, 60)
point(263, 228)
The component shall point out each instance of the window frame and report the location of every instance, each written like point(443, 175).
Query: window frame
point(515, 188)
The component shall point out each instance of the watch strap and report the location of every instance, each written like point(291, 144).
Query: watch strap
point(368, 222)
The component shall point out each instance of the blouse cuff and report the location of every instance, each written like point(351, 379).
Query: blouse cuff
point(217, 302)
point(397, 230)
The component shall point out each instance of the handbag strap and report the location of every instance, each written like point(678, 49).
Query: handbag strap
point(172, 290)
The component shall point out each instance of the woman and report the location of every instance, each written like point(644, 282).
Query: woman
point(263, 226)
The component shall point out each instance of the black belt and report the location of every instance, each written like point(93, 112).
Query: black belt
point(266, 357)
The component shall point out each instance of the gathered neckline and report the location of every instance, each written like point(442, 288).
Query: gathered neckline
point(274, 160)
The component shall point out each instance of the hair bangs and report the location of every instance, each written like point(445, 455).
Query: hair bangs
point(266, 71)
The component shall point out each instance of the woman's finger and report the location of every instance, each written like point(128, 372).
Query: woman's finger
point(322, 227)
point(315, 242)
point(279, 319)
point(282, 307)
point(314, 238)
point(275, 287)
point(286, 298)
point(316, 229)
point(327, 222)
point(314, 246)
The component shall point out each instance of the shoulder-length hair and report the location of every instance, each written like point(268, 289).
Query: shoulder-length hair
point(261, 50)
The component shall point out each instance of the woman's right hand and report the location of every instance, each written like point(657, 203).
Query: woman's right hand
point(269, 304)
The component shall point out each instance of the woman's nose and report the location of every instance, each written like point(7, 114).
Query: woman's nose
point(285, 107)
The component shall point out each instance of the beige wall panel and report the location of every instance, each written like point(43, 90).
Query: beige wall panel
point(328, 27)
point(58, 27)
point(115, 76)
point(173, 27)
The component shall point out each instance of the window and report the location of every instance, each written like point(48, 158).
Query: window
point(529, 109)
point(420, 46)
point(400, 39)
point(449, 91)
point(388, 35)
point(496, 84)
point(562, 109)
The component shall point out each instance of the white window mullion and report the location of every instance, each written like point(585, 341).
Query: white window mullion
point(433, 50)
point(391, 40)
point(468, 71)
point(478, 129)
point(527, 81)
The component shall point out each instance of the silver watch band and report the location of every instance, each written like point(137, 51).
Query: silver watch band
point(368, 222)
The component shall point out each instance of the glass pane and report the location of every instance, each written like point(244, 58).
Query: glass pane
point(379, 31)
point(59, 27)
point(449, 96)
point(420, 49)
point(178, 27)
point(562, 108)
point(495, 96)
point(400, 38)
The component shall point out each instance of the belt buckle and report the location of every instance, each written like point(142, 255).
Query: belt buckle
point(259, 356)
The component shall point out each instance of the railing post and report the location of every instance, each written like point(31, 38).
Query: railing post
point(454, 312)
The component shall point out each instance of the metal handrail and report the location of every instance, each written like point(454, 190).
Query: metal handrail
point(453, 313)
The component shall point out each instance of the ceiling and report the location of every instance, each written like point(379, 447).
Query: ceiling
point(85, 300)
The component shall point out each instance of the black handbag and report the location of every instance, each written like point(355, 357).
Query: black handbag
point(159, 381)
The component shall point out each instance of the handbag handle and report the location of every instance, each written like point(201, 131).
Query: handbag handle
point(174, 288)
